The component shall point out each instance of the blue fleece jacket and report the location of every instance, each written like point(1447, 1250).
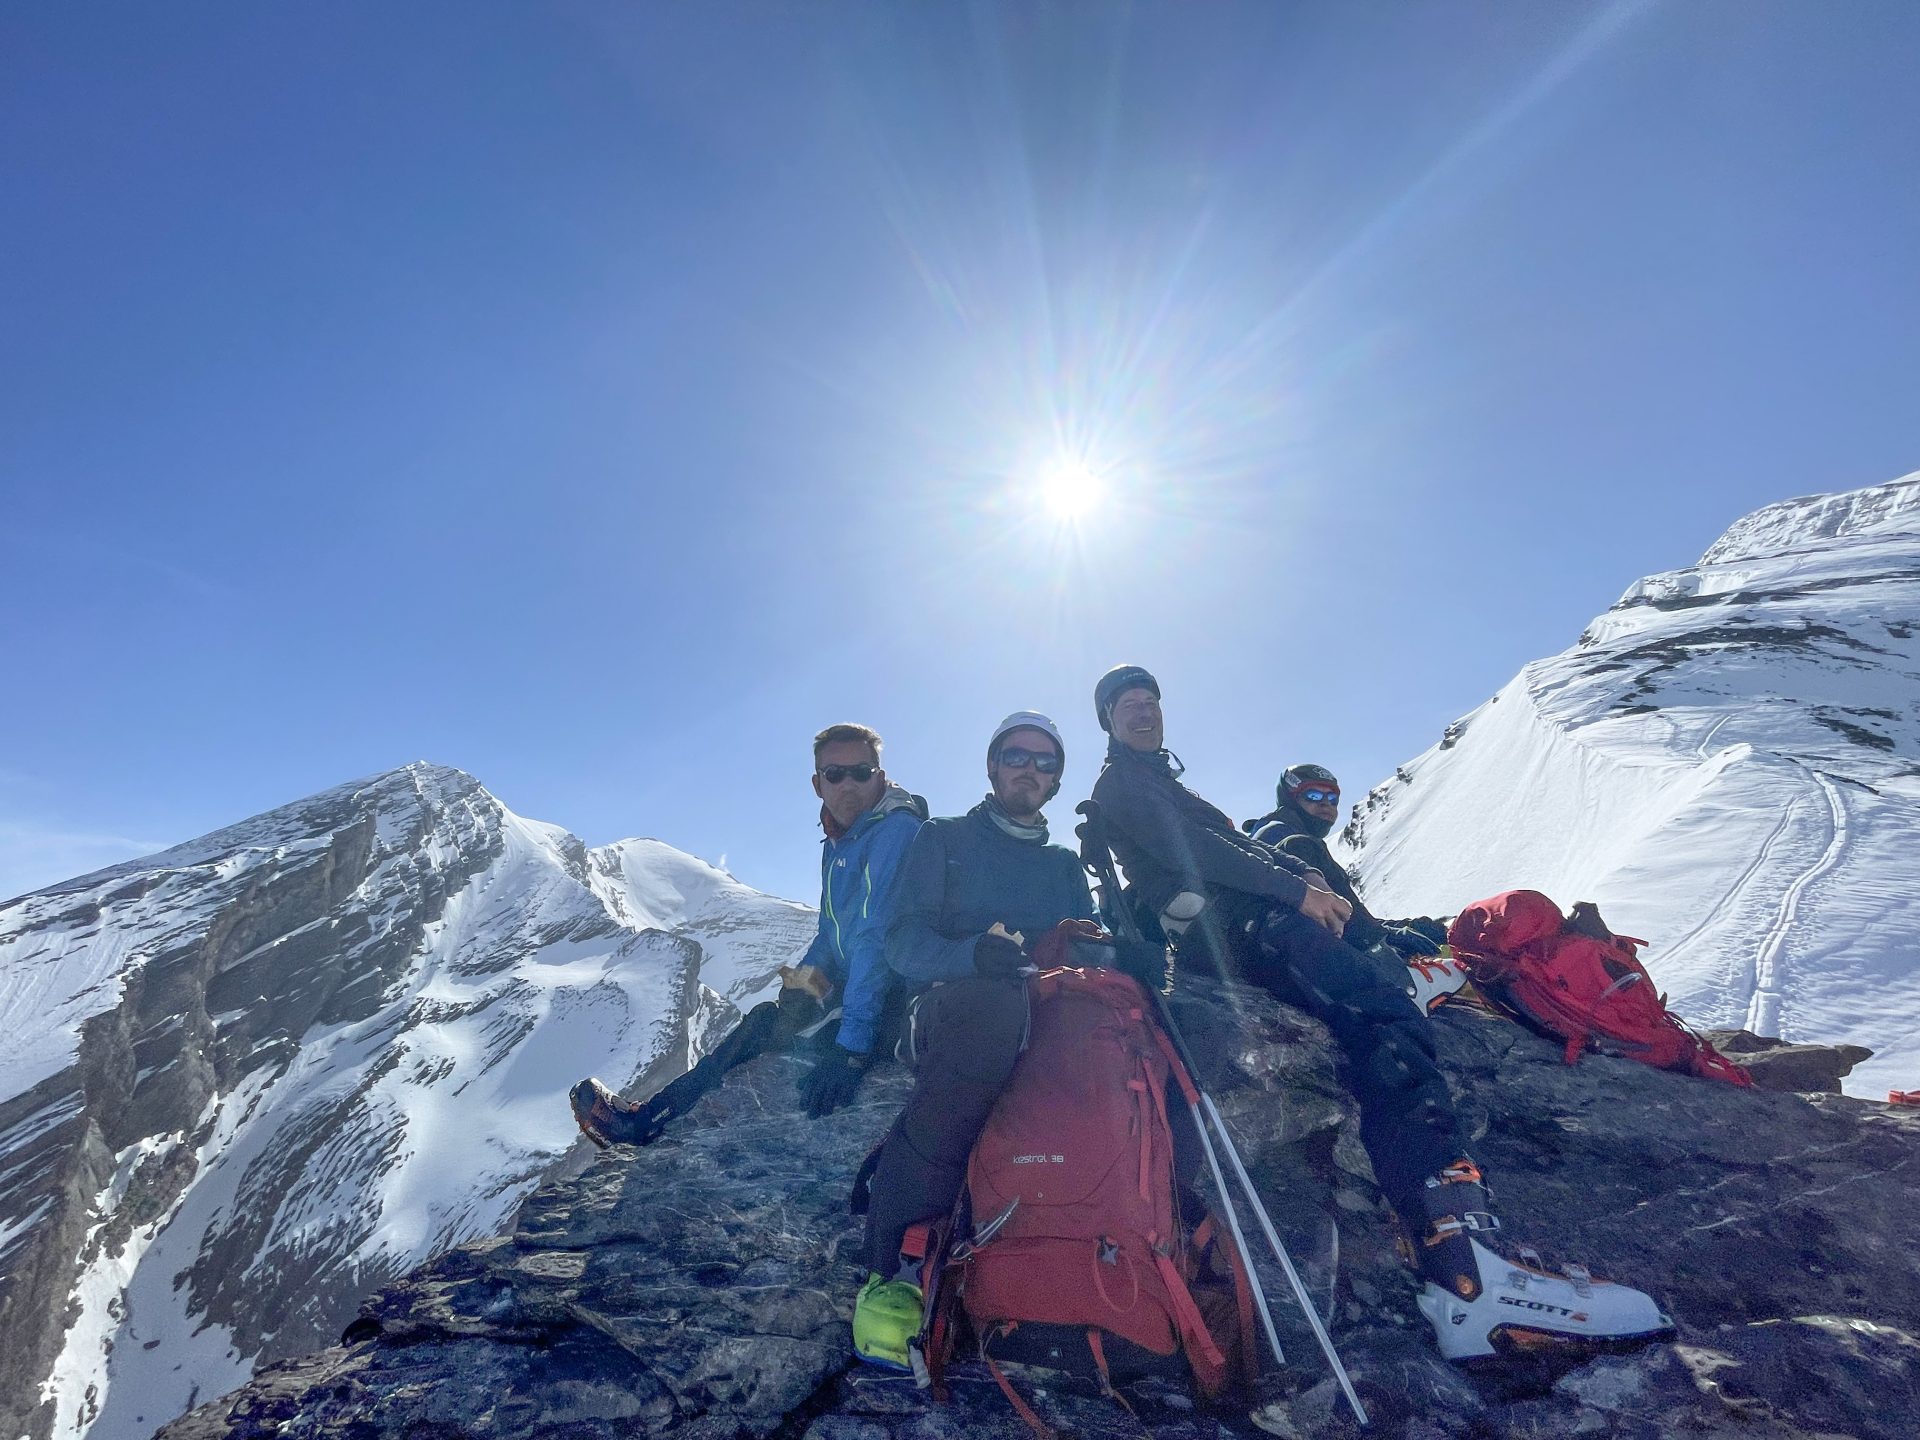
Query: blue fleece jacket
point(964, 872)
point(857, 874)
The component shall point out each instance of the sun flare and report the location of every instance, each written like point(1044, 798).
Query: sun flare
point(1071, 488)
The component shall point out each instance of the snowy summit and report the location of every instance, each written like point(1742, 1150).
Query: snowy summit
point(1726, 763)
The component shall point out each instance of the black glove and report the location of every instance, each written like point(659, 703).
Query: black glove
point(998, 957)
point(1409, 941)
point(1143, 961)
point(1363, 932)
point(1434, 930)
point(831, 1083)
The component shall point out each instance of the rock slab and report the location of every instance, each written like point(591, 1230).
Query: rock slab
point(702, 1288)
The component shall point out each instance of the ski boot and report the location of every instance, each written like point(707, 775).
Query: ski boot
point(1482, 1304)
point(1434, 979)
point(606, 1119)
point(886, 1320)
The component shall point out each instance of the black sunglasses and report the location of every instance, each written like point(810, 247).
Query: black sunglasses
point(1320, 797)
point(1016, 757)
point(859, 774)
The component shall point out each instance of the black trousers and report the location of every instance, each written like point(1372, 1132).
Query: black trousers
point(772, 1026)
point(1407, 1120)
point(965, 1037)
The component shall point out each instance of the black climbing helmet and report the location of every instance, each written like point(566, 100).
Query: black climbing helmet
point(1303, 777)
point(1115, 683)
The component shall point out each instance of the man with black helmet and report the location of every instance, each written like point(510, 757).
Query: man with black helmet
point(1306, 810)
point(983, 901)
point(1264, 916)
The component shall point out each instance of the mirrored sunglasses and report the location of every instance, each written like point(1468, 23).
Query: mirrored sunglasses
point(859, 774)
point(1316, 796)
point(1016, 757)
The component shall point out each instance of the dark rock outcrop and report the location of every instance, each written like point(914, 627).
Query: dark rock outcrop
point(702, 1288)
point(1781, 1065)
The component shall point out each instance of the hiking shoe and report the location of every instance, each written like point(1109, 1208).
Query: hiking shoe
point(1481, 1304)
point(886, 1318)
point(606, 1119)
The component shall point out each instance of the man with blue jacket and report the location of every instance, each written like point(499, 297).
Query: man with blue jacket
point(868, 822)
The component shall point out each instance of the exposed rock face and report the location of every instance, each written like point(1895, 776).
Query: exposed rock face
point(249, 1079)
point(702, 1287)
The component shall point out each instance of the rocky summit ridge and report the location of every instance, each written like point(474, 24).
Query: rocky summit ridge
point(250, 1078)
point(701, 1288)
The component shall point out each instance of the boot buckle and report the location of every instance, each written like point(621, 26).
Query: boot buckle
point(1475, 1222)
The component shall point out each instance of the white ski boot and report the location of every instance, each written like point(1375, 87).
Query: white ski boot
point(1482, 1304)
point(1434, 979)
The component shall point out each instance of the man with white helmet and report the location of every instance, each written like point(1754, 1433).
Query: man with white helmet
point(983, 901)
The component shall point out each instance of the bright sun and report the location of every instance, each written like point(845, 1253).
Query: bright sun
point(1072, 489)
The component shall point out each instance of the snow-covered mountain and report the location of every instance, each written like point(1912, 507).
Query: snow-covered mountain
point(251, 1078)
point(1728, 762)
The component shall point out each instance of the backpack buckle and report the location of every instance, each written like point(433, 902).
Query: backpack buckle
point(985, 1233)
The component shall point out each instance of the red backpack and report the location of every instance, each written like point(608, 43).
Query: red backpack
point(1573, 979)
point(1073, 1251)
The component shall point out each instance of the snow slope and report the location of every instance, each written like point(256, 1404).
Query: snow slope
point(263, 1072)
point(1728, 762)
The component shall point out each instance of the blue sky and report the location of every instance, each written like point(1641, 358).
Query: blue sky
point(602, 397)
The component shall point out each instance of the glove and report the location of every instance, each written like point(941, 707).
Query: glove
point(1143, 961)
point(798, 1007)
point(1363, 932)
point(999, 956)
point(1056, 947)
point(1409, 941)
point(1434, 930)
point(831, 1083)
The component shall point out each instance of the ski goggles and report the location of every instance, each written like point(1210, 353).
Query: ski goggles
point(859, 774)
point(1318, 795)
point(1016, 757)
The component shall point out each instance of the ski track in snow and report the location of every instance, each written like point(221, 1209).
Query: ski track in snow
point(1728, 903)
point(1706, 740)
point(1764, 1006)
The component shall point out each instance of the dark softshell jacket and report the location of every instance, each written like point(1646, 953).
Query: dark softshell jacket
point(1286, 830)
point(1168, 839)
point(962, 873)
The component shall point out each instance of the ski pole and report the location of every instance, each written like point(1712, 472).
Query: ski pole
point(1095, 855)
point(1239, 1235)
point(1259, 1210)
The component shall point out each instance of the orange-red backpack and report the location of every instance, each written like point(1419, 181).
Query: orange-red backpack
point(1069, 1246)
point(1573, 979)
